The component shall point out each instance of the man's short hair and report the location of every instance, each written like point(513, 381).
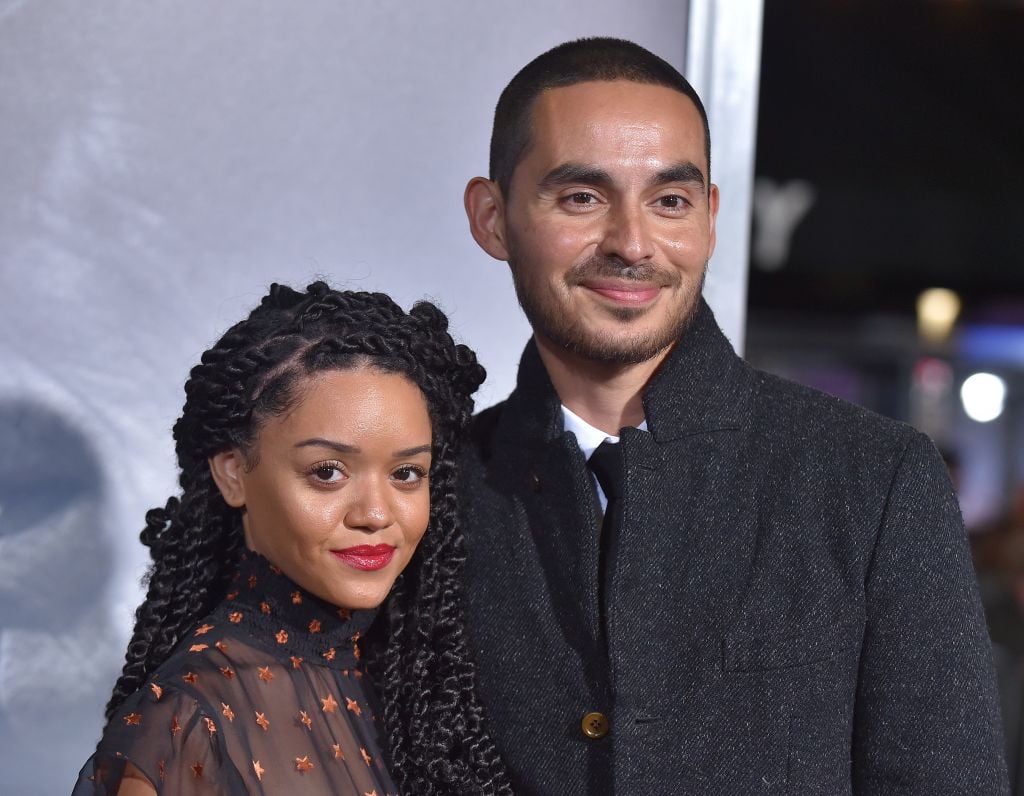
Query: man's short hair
point(573, 62)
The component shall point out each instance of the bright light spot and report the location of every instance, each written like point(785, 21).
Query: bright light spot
point(983, 395)
point(937, 311)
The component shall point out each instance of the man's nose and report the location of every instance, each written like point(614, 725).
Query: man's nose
point(626, 235)
point(370, 509)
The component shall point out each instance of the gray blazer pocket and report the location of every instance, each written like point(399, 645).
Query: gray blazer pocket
point(750, 653)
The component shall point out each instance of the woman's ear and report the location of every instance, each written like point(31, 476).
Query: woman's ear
point(228, 471)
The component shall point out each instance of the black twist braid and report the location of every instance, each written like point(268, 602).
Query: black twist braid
point(433, 719)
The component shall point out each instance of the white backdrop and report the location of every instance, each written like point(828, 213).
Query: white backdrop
point(161, 164)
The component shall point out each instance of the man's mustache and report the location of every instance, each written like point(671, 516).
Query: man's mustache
point(600, 267)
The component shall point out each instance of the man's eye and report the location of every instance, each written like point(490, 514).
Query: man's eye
point(672, 201)
point(582, 198)
point(409, 475)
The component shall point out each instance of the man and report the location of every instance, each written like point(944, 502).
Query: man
point(779, 597)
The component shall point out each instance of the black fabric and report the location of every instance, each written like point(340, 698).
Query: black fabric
point(609, 468)
point(791, 606)
point(265, 695)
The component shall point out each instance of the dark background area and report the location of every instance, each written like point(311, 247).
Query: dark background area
point(907, 117)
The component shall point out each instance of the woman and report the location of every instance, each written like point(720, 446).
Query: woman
point(317, 446)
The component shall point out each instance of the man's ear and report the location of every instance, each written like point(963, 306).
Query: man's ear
point(485, 208)
point(228, 471)
point(712, 218)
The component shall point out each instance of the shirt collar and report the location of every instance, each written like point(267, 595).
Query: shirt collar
point(587, 436)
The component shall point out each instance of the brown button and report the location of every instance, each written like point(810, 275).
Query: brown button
point(595, 725)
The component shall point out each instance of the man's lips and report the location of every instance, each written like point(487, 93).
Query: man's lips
point(366, 556)
point(625, 292)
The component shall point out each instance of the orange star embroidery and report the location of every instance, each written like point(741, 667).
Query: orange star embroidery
point(227, 711)
point(366, 755)
point(133, 719)
point(275, 569)
point(157, 690)
point(370, 793)
point(314, 626)
point(265, 607)
point(328, 703)
point(296, 598)
point(202, 630)
point(338, 754)
point(352, 705)
point(175, 727)
point(355, 646)
point(305, 719)
point(210, 726)
point(296, 662)
point(198, 647)
point(253, 581)
point(329, 655)
point(231, 595)
point(227, 671)
point(262, 721)
point(265, 674)
point(190, 677)
point(197, 770)
point(221, 646)
point(161, 768)
point(344, 614)
point(302, 764)
point(281, 636)
point(235, 617)
point(258, 769)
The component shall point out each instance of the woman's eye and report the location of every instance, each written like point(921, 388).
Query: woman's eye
point(328, 473)
point(409, 475)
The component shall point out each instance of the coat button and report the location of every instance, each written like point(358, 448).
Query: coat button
point(595, 725)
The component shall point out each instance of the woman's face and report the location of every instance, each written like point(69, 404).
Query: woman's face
point(338, 497)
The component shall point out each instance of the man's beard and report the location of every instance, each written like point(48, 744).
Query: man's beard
point(550, 320)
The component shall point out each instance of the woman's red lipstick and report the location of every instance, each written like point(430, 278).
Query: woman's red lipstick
point(367, 557)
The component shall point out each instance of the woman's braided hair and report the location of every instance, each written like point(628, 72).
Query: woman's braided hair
point(432, 717)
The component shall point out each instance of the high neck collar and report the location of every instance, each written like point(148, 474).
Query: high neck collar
point(288, 620)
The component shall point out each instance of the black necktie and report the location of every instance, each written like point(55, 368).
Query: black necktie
point(607, 464)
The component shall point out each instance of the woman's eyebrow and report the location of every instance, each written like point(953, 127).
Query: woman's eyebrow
point(343, 447)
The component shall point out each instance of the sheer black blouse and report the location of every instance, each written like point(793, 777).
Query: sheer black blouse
point(264, 695)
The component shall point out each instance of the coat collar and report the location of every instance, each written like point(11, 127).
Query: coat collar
point(701, 386)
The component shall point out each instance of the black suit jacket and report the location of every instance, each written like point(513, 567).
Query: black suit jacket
point(789, 608)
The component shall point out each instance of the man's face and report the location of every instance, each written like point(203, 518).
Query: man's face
point(610, 220)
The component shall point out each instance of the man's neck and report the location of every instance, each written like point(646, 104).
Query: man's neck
point(609, 396)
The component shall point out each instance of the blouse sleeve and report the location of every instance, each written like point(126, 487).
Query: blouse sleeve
point(171, 739)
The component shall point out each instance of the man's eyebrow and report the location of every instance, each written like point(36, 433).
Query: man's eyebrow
point(342, 447)
point(576, 172)
point(681, 172)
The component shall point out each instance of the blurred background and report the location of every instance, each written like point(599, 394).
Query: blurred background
point(162, 163)
point(887, 257)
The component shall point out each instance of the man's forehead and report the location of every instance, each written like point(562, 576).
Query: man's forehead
point(570, 121)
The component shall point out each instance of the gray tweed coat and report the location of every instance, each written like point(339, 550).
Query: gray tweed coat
point(790, 606)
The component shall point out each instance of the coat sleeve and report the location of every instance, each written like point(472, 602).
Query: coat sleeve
point(926, 719)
